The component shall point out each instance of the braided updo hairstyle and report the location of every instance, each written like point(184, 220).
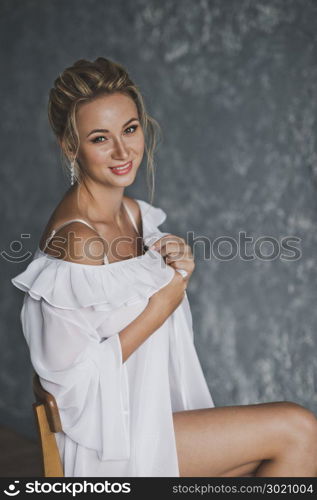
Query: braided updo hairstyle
point(83, 82)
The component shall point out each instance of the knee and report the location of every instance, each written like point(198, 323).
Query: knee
point(301, 424)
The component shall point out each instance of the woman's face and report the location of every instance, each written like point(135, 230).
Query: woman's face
point(110, 135)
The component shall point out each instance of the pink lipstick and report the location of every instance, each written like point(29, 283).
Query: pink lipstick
point(122, 169)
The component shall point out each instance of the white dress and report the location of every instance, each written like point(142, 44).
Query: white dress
point(116, 417)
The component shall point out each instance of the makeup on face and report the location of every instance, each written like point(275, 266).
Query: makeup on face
point(122, 170)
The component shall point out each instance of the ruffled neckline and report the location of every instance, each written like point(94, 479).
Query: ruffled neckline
point(104, 287)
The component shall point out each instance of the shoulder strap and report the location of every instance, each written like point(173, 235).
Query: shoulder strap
point(131, 217)
point(73, 220)
point(65, 224)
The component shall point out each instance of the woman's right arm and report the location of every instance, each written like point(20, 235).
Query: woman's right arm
point(160, 306)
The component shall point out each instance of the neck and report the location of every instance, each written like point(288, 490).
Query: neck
point(101, 204)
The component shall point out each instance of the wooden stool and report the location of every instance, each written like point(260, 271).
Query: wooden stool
point(48, 422)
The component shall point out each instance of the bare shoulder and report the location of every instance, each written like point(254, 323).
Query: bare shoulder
point(77, 243)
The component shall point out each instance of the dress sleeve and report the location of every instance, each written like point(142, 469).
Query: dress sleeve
point(86, 377)
point(152, 217)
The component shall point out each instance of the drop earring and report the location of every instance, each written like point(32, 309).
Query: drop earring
point(72, 170)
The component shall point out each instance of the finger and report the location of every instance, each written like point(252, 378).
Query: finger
point(189, 266)
point(174, 248)
point(181, 265)
point(178, 256)
point(173, 256)
point(158, 243)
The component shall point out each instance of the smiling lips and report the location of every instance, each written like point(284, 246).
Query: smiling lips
point(122, 169)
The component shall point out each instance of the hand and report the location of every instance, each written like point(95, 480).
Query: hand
point(169, 297)
point(176, 253)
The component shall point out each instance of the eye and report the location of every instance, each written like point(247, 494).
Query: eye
point(95, 140)
point(132, 126)
point(99, 137)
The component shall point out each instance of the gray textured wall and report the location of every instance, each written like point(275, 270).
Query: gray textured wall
point(233, 85)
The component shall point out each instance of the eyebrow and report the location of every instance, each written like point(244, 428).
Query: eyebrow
point(105, 130)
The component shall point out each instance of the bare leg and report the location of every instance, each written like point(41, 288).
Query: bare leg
point(276, 439)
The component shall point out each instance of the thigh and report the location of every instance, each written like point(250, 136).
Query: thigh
point(231, 440)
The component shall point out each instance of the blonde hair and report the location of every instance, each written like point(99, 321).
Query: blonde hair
point(83, 82)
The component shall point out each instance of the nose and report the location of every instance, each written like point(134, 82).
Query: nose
point(120, 150)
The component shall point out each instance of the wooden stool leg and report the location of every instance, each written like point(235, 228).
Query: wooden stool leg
point(52, 465)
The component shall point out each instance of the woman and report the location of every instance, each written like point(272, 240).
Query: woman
point(107, 319)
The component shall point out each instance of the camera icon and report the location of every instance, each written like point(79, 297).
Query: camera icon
point(12, 490)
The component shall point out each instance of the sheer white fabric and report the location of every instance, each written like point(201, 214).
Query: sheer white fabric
point(117, 418)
